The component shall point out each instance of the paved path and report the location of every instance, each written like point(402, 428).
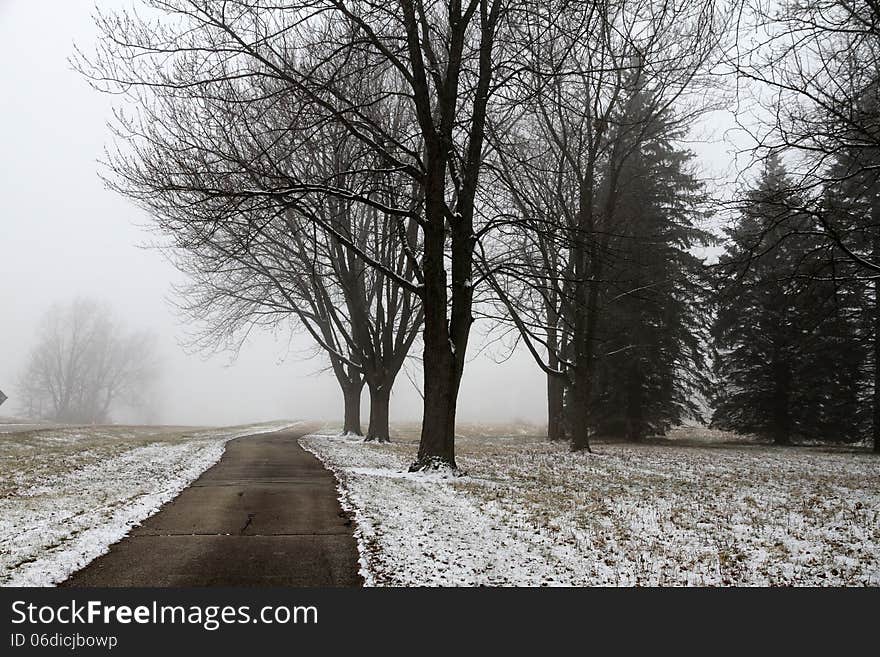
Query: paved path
point(265, 515)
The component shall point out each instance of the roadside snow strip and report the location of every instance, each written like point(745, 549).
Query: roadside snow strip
point(421, 529)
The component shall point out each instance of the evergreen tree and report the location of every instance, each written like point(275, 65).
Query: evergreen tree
point(789, 361)
point(851, 215)
point(653, 328)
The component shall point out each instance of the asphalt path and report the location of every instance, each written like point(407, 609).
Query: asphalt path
point(266, 514)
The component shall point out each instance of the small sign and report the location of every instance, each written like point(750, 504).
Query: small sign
point(3, 398)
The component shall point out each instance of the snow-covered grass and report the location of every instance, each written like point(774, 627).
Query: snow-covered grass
point(699, 508)
point(67, 494)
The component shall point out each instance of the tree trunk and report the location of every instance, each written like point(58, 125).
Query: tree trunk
point(555, 384)
point(781, 439)
point(781, 419)
point(876, 345)
point(636, 411)
point(579, 409)
point(586, 273)
point(437, 444)
point(579, 405)
point(555, 394)
point(380, 398)
point(876, 400)
point(634, 430)
point(352, 397)
point(582, 391)
point(442, 365)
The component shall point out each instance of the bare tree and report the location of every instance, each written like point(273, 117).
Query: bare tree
point(814, 67)
point(255, 258)
point(444, 59)
point(361, 320)
point(85, 366)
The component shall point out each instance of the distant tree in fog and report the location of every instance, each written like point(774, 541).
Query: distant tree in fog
point(85, 366)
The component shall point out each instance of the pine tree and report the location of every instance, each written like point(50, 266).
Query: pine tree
point(653, 330)
point(851, 213)
point(789, 362)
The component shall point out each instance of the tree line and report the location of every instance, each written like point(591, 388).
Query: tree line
point(381, 174)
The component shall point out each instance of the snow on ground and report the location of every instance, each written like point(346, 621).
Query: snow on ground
point(67, 494)
point(702, 508)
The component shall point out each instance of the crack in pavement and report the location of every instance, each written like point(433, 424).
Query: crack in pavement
point(250, 519)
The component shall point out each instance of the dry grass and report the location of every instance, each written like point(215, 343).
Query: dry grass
point(35, 457)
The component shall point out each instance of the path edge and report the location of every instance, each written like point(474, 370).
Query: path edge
point(343, 495)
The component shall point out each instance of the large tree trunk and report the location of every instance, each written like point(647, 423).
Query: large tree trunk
point(582, 385)
point(587, 273)
point(437, 445)
point(380, 399)
point(447, 326)
point(579, 409)
point(876, 394)
point(579, 405)
point(441, 363)
point(781, 438)
point(351, 394)
point(442, 380)
point(636, 412)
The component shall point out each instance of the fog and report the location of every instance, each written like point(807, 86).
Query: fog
point(63, 236)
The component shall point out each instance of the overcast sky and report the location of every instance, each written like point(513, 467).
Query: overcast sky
point(62, 236)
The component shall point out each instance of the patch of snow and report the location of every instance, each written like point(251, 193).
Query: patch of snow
point(417, 529)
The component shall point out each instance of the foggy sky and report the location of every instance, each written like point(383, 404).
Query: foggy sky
point(62, 236)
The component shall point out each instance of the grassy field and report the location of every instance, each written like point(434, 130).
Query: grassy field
point(697, 508)
point(34, 459)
